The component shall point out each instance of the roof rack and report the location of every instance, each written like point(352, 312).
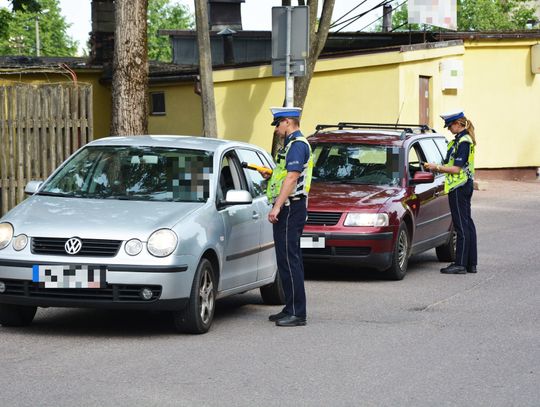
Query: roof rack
point(406, 128)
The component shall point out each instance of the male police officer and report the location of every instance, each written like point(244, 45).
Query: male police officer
point(287, 191)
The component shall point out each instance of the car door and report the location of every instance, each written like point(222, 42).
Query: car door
point(267, 256)
point(426, 194)
point(242, 227)
point(443, 219)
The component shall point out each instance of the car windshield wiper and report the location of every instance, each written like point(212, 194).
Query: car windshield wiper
point(61, 194)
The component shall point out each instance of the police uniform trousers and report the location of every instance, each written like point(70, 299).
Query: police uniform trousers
point(287, 232)
point(460, 207)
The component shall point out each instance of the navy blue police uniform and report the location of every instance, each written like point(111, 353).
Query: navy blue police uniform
point(288, 230)
point(460, 208)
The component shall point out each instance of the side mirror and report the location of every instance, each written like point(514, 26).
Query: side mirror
point(422, 177)
point(238, 197)
point(32, 187)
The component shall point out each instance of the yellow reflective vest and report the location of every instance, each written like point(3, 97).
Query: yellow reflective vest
point(280, 172)
point(452, 181)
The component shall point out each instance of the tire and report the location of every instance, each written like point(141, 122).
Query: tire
point(198, 315)
point(400, 258)
point(16, 315)
point(272, 294)
point(447, 252)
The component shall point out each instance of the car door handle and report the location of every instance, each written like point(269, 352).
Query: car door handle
point(255, 215)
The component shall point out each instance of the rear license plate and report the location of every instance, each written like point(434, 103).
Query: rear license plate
point(312, 242)
point(72, 276)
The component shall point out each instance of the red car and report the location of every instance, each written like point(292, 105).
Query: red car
point(371, 203)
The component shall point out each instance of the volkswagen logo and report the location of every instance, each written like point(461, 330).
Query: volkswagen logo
point(73, 245)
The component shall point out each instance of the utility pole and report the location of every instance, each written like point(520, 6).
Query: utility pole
point(205, 69)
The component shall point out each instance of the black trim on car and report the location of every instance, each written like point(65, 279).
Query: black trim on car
point(110, 267)
point(350, 236)
point(249, 252)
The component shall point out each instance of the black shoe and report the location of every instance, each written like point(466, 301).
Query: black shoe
point(291, 320)
point(279, 315)
point(454, 269)
point(471, 269)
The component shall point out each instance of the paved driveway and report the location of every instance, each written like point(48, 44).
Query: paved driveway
point(429, 340)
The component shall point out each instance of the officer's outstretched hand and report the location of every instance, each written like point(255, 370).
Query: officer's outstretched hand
point(273, 215)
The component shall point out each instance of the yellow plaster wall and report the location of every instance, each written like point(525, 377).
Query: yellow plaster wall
point(503, 102)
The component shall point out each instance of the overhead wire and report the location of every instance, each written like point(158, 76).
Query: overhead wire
point(353, 19)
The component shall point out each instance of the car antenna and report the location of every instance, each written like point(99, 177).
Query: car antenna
point(402, 135)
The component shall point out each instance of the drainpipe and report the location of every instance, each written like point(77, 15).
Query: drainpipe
point(228, 49)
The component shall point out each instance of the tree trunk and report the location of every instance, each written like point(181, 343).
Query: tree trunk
point(205, 69)
point(130, 69)
point(317, 39)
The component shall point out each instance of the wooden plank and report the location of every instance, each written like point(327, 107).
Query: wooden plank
point(44, 131)
point(67, 127)
point(3, 152)
point(11, 101)
point(90, 109)
point(21, 99)
point(58, 102)
point(75, 125)
point(83, 92)
point(30, 159)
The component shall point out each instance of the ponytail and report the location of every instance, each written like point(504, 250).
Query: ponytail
point(468, 126)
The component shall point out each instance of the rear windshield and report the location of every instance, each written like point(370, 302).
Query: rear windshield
point(356, 163)
point(134, 173)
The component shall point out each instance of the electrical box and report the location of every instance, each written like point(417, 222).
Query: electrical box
point(535, 59)
point(451, 74)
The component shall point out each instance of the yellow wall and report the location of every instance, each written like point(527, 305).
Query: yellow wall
point(503, 102)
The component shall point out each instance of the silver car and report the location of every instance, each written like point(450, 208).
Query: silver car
point(149, 222)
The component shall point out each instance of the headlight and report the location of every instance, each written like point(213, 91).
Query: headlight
point(20, 242)
point(6, 234)
point(133, 247)
point(366, 219)
point(162, 242)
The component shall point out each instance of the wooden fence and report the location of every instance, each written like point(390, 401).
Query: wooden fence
point(40, 126)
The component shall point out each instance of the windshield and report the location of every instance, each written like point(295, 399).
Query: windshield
point(137, 173)
point(356, 163)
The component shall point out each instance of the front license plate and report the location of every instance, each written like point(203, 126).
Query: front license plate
point(312, 242)
point(72, 276)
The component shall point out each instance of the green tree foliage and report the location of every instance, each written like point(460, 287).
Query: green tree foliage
point(164, 16)
point(479, 15)
point(18, 36)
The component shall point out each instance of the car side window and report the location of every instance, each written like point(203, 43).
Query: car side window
point(230, 175)
point(432, 153)
point(254, 178)
point(415, 159)
point(442, 145)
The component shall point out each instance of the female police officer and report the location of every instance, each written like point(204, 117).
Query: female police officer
point(459, 170)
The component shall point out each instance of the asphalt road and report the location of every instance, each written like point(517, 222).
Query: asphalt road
point(429, 340)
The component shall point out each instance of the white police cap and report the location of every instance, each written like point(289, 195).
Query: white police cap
point(281, 112)
point(452, 116)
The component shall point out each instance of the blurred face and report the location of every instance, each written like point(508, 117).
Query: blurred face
point(456, 127)
point(281, 128)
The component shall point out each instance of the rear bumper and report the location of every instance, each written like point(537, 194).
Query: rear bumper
point(366, 250)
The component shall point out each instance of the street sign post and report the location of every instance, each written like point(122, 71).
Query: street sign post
point(290, 45)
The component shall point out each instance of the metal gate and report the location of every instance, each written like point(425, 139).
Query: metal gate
point(40, 126)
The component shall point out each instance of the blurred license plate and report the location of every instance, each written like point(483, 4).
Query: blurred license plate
point(72, 276)
point(312, 242)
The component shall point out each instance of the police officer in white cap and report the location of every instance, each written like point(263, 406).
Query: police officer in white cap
point(287, 191)
point(459, 173)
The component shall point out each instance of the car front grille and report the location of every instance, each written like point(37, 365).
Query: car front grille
point(112, 292)
point(323, 218)
point(90, 247)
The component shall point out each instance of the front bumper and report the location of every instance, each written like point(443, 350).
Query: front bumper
point(170, 286)
point(370, 250)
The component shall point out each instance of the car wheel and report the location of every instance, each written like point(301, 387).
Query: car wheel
point(400, 258)
point(447, 251)
point(197, 317)
point(16, 315)
point(273, 294)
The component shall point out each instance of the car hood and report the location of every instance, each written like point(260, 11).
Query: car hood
point(95, 218)
point(326, 196)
